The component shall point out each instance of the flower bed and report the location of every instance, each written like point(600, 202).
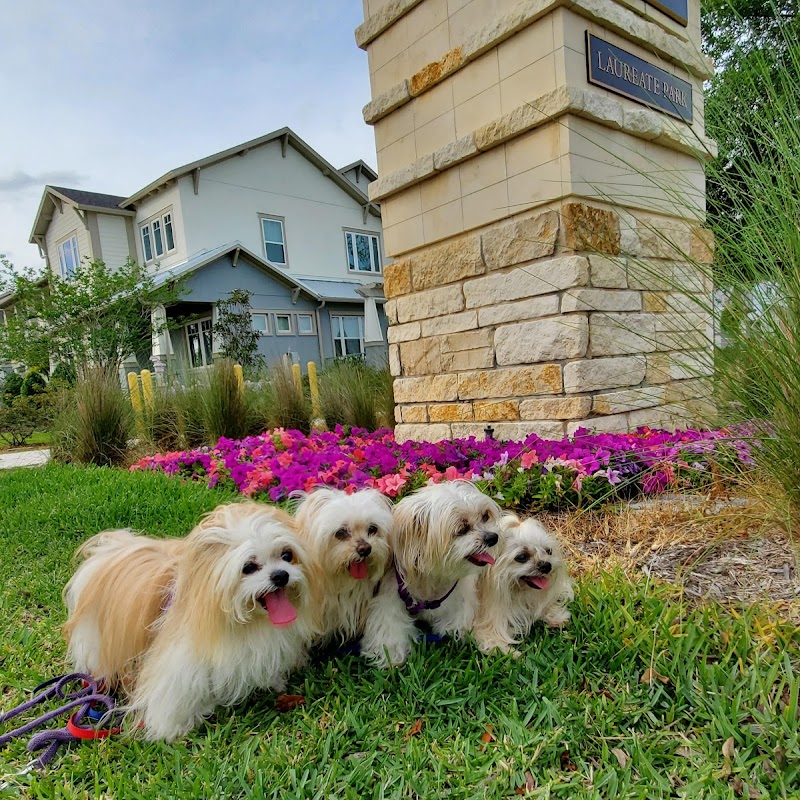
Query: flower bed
point(535, 472)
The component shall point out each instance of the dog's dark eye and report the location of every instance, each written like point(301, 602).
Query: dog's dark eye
point(250, 567)
point(521, 557)
point(485, 516)
point(463, 529)
point(549, 550)
point(342, 534)
point(372, 530)
point(287, 555)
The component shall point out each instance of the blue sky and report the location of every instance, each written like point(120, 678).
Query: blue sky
point(107, 96)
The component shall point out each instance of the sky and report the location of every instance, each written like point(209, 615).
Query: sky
point(107, 96)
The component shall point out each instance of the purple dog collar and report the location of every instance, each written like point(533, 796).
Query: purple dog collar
point(413, 607)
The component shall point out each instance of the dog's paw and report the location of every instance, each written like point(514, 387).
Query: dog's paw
point(556, 617)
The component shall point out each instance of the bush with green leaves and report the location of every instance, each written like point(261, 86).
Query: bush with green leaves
point(20, 419)
point(64, 374)
point(234, 327)
point(12, 387)
point(33, 384)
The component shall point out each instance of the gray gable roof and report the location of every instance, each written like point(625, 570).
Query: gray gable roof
point(96, 199)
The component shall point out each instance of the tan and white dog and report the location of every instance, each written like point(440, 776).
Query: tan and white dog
point(441, 540)
point(528, 582)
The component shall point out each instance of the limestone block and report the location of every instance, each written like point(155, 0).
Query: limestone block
point(658, 366)
point(450, 412)
point(621, 334)
point(664, 238)
point(396, 279)
point(421, 357)
point(463, 430)
point(617, 423)
point(590, 228)
point(430, 303)
point(643, 123)
point(422, 433)
point(455, 152)
point(452, 323)
point(654, 302)
point(690, 364)
point(387, 102)
point(458, 259)
point(432, 73)
point(667, 416)
point(461, 360)
point(628, 400)
point(694, 389)
point(414, 414)
point(394, 360)
point(682, 340)
point(517, 431)
point(532, 308)
point(600, 300)
point(555, 408)
point(401, 178)
point(702, 246)
point(520, 240)
point(471, 340)
point(541, 277)
point(390, 309)
point(608, 273)
point(403, 333)
point(383, 17)
point(427, 389)
point(603, 109)
point(603, 373)
point(542, 340)
point(682, 322)
point(509, 382)
point(497, 410)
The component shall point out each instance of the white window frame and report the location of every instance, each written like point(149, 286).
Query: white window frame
point(282, 222)
point(372, 235)
point(71, 240)
point(265, 314)
point(279, 332)
point(343, 338)
point(163, 218)
point(313, 330)
point(207, 358)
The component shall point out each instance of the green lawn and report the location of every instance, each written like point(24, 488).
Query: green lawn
point(37, 440)
point(557, 714)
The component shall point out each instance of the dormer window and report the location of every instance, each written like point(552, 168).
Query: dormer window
point(158, 236)
point(68, 257)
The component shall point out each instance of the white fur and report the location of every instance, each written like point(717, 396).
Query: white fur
point(334, 525)
point(508, 606)
point(435, 530)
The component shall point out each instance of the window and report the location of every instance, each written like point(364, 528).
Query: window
point(283, 324)
point(68, 256)
point(348, 336)
point(363, 252)
point(261, 323)
point(201, 344)
point(274, 240)
point(158, 236)
point(305, 324)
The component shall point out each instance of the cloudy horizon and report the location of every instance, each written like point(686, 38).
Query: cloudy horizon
point(107, 98)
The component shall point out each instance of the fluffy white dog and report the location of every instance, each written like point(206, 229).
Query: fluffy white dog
point(233, 617)
point(440, 539)
point(346, 537)
point(528, 582)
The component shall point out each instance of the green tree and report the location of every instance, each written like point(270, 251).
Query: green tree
point(234, 326)
point(96, 318)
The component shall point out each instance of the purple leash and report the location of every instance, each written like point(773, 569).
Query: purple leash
point(50, 741)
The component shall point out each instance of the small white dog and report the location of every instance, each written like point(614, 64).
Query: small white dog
point(346, 537)
point(441, 538)
point(528, 582)
point(234, 616)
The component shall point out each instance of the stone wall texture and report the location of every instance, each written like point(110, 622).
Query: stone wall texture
point(544, 279)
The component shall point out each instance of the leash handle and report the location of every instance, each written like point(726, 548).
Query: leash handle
point(51, 688)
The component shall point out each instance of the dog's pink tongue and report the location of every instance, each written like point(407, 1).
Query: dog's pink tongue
point(483, 558)
point(540, 582)
point(358, 570)
point(280, 610)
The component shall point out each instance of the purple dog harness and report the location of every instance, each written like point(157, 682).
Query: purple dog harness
point(413, 607)
point(90, 704)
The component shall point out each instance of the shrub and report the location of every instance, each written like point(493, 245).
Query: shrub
point(94, 427)
point(64, 373)
point(33, 384)
point(19, 420)
point(12, 386)
point(351, 393)
point(279, 404)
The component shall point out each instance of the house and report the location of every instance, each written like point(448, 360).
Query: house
point(271, 216)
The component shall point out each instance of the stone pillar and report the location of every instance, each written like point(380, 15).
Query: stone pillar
point(542, 191)
point(161, 344)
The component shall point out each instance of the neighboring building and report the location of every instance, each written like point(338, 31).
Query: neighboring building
point(271, 216)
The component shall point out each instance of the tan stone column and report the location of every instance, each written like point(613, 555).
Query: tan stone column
point(541, 185)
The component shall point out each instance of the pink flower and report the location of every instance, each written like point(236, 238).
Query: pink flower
point(451, 474)
point(285, 458)
point(390, 485)
point(311, 482)
point(529, 459)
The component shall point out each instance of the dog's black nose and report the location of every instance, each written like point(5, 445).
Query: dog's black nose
point(280, 577)
point(490, 539)
point(364, 549)
point(544, 567)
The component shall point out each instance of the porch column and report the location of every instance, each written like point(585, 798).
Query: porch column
point(374, 345)
point(161, 343)
point(216, 340)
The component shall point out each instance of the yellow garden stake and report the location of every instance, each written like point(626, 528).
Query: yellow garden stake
point(298, 378)
point(135, 395)
point(147, 389)
point(238, 372)
point(313, 386)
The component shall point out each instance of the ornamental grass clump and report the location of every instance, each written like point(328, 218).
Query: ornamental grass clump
point(281, 403)
point(351, 393)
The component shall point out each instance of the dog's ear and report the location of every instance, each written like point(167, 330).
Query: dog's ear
point(311, 505)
